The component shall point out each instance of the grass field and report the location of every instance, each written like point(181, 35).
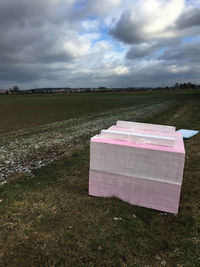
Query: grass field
point(26, 111)
point(47, 217)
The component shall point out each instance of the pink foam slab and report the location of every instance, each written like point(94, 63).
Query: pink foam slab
point(146, 193)
point(134, 161)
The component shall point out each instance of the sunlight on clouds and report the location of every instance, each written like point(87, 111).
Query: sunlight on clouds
point(177, 69)
point(166, 15)
point(77, 48)
point(121, 70)
point(160, 15)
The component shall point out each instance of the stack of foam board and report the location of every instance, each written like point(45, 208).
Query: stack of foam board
point(139, 163)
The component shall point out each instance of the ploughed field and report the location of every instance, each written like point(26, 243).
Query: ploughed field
point(47, 217)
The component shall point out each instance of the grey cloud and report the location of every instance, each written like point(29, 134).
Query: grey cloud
point(140, 51)
point(99, 8)
point(145, 50)
point(36, 12)
point(29, 73)
point(188, 19)
point(56, 57)
point(188, 52)
point(31, 33)
point(28, 45)
point(128, 30)
point(155, 76)
point(19, 73)
point(17, 12)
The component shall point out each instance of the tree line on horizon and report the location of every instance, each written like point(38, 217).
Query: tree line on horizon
point(16, 90)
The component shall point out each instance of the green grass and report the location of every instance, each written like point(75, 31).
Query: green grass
point(27, 111)
point(51, 221)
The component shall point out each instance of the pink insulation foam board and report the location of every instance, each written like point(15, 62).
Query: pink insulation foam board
point(140, 171)
point(142, 192)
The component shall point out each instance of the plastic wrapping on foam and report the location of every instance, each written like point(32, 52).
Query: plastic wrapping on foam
point(146, 126)
point(139, 138)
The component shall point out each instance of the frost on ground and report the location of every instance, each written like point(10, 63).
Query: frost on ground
point(24, 151)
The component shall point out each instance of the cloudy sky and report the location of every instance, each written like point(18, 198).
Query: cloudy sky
point(92, 43)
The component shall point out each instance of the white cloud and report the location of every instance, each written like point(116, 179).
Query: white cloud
point(90, 25)
point(150, 20)
point(177, 69)
point(92, 36)
point(121, 70)
point(161, 15)
point(78, 47)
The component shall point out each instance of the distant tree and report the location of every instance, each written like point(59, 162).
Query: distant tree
point(15, 89)
point(177, 85)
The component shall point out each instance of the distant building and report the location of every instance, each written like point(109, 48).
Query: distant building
point(3, 91)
